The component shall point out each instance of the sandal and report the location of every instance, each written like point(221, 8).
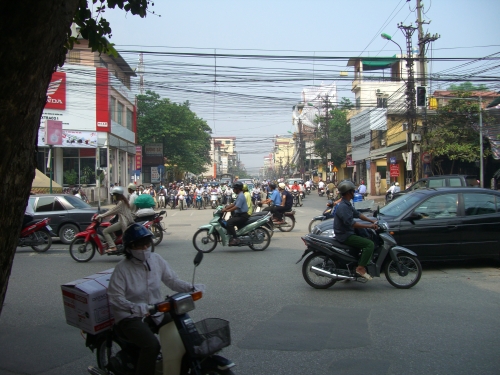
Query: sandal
point(364, 276)
point(111, 250)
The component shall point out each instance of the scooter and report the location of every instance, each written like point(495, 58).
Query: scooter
point(288, 219)
point(172, 201)
point(330, 261)
point(84, 245)
point(308, 190)
point(214, 199)
point(327, 214)
point(199, 201)
point(253, 234)
point(37, 234)
point(190, 348)
point(156, 226)
point(321, 191)
point(296, 200)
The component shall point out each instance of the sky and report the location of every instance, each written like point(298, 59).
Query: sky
point(243, 64)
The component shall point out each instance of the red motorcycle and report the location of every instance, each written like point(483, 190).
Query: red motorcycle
point(155, 225)
point(37, 234)
point(84, 245)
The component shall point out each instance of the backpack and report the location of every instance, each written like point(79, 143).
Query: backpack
point(144, 201)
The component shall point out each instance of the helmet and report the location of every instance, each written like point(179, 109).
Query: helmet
point(131, 186)
point(238, 185)
point(329, 203)
point(346, 186)
point(135, 232)
point(245, 187)
point(272, 186)
point(281, 185)
point(117, 190)
point(397, 184)
point(75, 191)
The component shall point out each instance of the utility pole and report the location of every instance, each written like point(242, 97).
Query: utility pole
point(326, 102)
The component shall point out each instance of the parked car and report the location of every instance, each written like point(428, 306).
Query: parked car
point(452, 180)
point(442, 223)
point(68, 214)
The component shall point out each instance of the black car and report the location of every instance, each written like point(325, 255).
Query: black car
point(443, 223)
point(68, 214)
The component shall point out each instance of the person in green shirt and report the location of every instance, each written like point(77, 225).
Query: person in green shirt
point(248, 198)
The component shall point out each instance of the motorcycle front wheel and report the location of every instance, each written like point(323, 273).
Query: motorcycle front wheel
point(81, 251)
point(320, 261)
point(43, 239)
point(412, 270)
point(157, 231)
point(204, 242)
point(313, 223)
point(266, 240)
point(289, 224)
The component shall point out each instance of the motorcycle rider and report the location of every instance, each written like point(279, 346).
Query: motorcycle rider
point(321, 186)
point(248, 197)
point(180, 193)
point(29, 214)
point(344, 224)
point(135, 284)
point(362, 188)
point(162, 194)
point(132, 196)
point(239, 213)
point(125, 217)
point(296, 187)
point(392, 190)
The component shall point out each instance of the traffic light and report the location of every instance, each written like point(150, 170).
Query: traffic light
point(420, 96)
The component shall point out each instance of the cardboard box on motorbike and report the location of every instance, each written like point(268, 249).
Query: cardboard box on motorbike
point(86, 302)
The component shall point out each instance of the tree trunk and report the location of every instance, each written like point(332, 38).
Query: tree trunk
point(452, 165)
point(32, 35)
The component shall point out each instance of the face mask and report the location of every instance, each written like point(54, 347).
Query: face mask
point(141, 255)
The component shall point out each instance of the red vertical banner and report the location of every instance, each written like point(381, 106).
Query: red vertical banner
point(56, 93)
point(134, 125)
point(103, 122)
point(138, 158)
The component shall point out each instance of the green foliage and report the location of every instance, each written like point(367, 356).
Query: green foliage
point(338, 136)
point(95, 28)
point(467, 86)
point(70, 177)
point(87, 174)
point(453, 134)
point(186, 138)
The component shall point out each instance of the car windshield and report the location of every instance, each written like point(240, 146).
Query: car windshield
point(76, 202)
point(472, 182)
point(291, 181)
point(400, 204)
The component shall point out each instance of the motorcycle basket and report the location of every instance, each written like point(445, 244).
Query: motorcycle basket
point(210, 336)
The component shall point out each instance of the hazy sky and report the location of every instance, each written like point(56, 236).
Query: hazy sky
point(279, 47)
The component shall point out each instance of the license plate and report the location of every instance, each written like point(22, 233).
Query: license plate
point(48, 227)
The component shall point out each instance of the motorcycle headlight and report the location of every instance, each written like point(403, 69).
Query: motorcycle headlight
point(183, 303)
point(328, 233)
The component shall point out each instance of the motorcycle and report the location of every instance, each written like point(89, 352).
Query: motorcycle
point(389, 196)
point(205, 199)
point(172, 200)
point(162, 201)
point(295, 195)
point(84, 245)
point(330, 261)
point(37, 234)
point(189, 200)
point(321, 191)
point(308, 190)
point(327, 214)
point(199, 201)
point(301, 196)
point(214, 199)
point(253, 233)
point(190, 348)
point(255, 197)
point(289, 222)
point(155, 225)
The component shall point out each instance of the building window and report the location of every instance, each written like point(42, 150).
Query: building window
point(119, 113)
point(74, 57)
point(79, 166)
point(381, 102)
point(112, 111)
point(358, 102)
point(130, 120)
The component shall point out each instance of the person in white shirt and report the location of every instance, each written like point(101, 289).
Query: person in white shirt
point(362, 188)
point(132, 196)
point(135, 284)
point(321, 184)
point(29, 214)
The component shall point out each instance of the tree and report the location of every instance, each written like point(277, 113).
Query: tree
point(453, 134)
point(467, 86)
point(338, 134)
point(35, 40)
point(185, 137)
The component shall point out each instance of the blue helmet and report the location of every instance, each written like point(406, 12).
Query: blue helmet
point(135, 232)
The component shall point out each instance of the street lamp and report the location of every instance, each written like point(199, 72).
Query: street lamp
point(389, 38)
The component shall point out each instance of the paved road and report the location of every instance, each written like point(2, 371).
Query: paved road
point(447, 324)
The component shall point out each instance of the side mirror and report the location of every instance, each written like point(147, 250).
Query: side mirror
point(413, 216)
point(198, 258)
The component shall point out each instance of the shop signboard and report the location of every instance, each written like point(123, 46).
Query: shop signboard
point(155, 176)
point(153, 149)
point(394, 170)
point(138, 158)
point(392, 160)
point(53, 133)
point(70, 138)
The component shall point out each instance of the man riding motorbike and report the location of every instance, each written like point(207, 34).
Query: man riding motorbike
point(344, 225)
point(135, 284)
point(239, 214)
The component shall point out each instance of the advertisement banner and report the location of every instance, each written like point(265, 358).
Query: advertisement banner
point(349, 162)
point(53, 133)
point(155, 176)
point(56, 93)
point(138, 158)
point(71, 138)
point(154, 149)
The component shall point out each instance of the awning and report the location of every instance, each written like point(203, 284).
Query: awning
point(378, 63)
point(382, 152)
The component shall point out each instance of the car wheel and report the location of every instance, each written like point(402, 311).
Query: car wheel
point(67, 233)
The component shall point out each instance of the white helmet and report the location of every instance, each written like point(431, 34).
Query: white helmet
point(281, 185)
point(131, 186)
point(117, 190)
point(397, 184)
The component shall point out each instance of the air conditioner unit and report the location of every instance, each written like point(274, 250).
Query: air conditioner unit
point(416, 137)
point(382, 142)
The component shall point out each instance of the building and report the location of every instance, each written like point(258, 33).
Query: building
point(283, 151)
point(223, 156)
point(92, 97)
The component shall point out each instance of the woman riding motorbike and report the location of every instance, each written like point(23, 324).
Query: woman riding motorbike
point(135, 284)
point(125, 217)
